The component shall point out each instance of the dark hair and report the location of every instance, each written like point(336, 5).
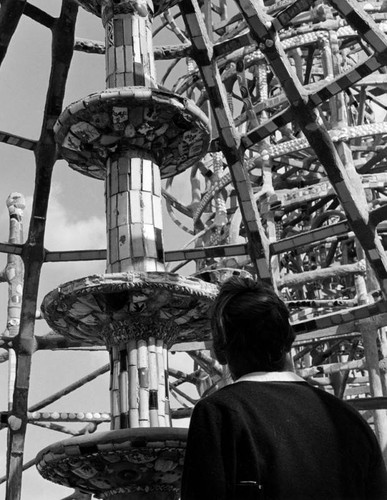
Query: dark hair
point(250, 326)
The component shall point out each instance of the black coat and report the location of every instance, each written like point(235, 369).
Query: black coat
point(282, 441)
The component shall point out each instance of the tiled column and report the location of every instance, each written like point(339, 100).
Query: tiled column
point(133, 211)
point(139, 392)
point(133, 191)
point(134, 222)
point(138, 389)
point(129, 45)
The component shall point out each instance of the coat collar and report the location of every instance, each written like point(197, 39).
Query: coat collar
point(286, 376)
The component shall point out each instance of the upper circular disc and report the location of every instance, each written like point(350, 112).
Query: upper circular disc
point(105, 309)
point(158, 125)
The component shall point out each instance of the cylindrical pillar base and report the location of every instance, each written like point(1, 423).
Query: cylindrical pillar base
point(139, 391)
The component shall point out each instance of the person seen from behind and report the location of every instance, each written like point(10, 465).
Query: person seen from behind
point(271, 435)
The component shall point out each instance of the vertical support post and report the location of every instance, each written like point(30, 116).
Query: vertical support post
point(33, 249)
point(260, 71)
point(14, 276)
point(14, 268)
point(133, 215)
point(383, 348)
point(370, 339)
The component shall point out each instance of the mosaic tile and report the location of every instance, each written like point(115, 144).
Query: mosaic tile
point(158, 128)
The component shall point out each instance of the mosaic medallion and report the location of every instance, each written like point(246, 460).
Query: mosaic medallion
point(163, 127)
point(98, 308)
point(127, 461)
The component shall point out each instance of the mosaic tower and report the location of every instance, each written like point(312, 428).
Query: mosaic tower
point(131, 135)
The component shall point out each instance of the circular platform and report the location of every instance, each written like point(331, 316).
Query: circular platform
point(154, 124)
point(147, 463)
point(106, 309)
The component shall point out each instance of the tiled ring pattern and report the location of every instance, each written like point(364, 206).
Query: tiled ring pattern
point(166, 128)
point(124, 461)
point(83, 309)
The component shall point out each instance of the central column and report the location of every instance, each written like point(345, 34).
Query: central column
point(138, 353)
point(129, 43)
point(139, 391)
point(133, 188)
point(133, 214)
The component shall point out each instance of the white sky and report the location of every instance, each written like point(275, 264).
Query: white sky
point(75, 221)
